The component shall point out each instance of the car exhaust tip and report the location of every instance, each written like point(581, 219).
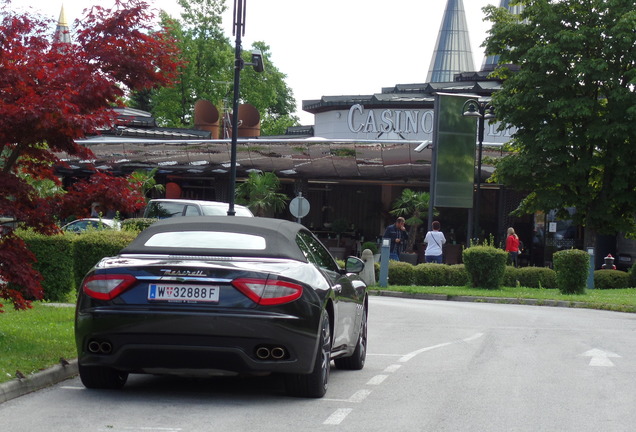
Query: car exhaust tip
point(94, 347)
point(106, 347)
point(263, 352)
point(278, 353)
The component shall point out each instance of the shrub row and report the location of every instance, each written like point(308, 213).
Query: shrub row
point(456, 275)
point(64, 259)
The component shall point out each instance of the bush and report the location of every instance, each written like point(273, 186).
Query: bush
point(90, 247)
point(54, 262)
point(457, 275)
point(571, 268)
point(530, 277)
point(401, 273)
point(430, 275)
point(611, 279)
point(485, 265)
point(137, 224)
point(632, 276)
point(372, 246)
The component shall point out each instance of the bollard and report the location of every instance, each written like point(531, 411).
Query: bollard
point(590, 276)
point(385, 251)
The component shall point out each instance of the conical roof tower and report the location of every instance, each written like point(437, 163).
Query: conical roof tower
point(452, 51)
point(491, 62)
point(62, 33)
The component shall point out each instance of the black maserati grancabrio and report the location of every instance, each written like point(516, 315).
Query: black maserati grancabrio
point(218, 295)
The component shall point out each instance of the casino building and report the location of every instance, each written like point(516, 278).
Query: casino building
point(351, 164)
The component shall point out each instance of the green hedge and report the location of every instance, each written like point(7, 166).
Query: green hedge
point(430, 275)
point(54, 263)
point(611, 279)
point(137, 224)
point(90, 247)
point(571, 268)
point(485, 265)
point(530, 277)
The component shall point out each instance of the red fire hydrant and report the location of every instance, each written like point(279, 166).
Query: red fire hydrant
point(609, 263)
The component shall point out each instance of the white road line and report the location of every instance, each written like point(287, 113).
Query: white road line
point(357, 397)
point(377, 380)
point(338, 416)
point(392, 368)
point(409, 356)
point(473, 337)
point(73, 388)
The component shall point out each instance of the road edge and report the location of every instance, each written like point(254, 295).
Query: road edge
point(39, 380)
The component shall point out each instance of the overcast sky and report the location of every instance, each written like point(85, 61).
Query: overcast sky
point(333, 47)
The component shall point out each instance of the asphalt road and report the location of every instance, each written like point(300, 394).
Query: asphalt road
point(432, 366)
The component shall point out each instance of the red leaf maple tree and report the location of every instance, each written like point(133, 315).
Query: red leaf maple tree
point(53, 93)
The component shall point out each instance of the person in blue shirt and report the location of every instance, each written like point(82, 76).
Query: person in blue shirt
point(399, 237)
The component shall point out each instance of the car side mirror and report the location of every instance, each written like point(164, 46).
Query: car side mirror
point(354, 265)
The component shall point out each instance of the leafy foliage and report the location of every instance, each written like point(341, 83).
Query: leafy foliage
point(413, 207)
point(485, 265)
point(208, 73)
point(53, 93)
point(611, 279)
point(574, 105)
point(571, 268)
point(530, 277)
point(259, 193)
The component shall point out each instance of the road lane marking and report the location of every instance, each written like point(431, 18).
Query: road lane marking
point(600, 358)
point(377, 380)
point(338, 416)
point(392, 368)
point(409, 356)
point(73, 388)
point(357, 397)
point(473, 337)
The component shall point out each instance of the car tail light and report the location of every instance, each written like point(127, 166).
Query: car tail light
point(268, 292)
point(107, 286)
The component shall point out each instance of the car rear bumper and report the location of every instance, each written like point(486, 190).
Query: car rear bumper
point(168, 341)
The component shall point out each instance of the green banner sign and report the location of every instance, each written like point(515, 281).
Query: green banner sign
point(454, 158)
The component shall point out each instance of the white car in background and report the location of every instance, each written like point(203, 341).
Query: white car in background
point(85, 224)
point(167, 208)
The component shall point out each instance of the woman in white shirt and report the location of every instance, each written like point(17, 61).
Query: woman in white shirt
point(434, 241)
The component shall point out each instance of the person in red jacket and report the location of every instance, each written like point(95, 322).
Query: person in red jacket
point(512, 246)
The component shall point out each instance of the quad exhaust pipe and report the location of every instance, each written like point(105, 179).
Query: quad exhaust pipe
point(97, 347)
point(264, 352)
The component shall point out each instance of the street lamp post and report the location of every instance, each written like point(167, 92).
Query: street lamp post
point(238, 30)
point(482, 110)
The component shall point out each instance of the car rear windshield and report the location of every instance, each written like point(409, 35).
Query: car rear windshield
point(207, 240)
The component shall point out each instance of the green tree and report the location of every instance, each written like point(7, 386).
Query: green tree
point(573, 102)
point(259, 193)
point(413, 207)
point(208, 73)
point(146, 181)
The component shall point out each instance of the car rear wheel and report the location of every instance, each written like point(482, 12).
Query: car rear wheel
point(359, 356)
point(314, 384)
point(99, 377)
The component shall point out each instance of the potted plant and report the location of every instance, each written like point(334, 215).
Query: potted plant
point(413, 207)
point(259, 193)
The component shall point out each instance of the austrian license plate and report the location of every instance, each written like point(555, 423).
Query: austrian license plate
point(183, 293)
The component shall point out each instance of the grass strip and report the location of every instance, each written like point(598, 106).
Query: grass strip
point(35, 339)
point(621, 300)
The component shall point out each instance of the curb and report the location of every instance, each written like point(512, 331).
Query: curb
point(46, 378)
point(478, 299)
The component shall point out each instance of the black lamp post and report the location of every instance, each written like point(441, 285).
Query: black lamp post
point(483, 110)
point(257, 62)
